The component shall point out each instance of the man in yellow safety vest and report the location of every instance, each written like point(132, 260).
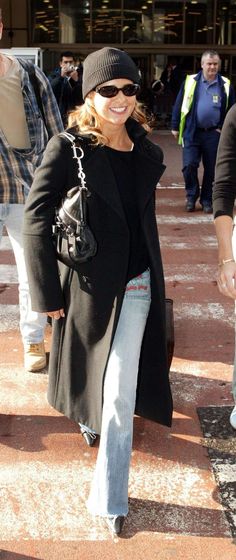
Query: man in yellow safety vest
point(197, 119)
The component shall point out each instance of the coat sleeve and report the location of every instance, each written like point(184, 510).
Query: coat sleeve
point(49, 185)
point(224, 188)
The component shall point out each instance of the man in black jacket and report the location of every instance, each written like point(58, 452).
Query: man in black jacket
point(66, 82)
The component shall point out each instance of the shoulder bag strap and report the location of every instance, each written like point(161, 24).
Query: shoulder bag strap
point(81, 174)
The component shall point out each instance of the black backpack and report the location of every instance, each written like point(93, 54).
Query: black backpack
point(30, 68)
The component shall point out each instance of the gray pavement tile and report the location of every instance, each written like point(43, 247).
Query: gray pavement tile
point(220, 441)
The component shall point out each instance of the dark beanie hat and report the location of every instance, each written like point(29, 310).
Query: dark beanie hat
point(107, 64)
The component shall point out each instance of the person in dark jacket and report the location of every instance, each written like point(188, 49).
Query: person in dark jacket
point(197, 119)
point(172, 78)
point(109, 355)
point(66, 82)
point(224, 196)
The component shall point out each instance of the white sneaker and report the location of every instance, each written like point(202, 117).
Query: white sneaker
point(232, 418)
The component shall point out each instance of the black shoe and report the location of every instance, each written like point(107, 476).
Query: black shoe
point(115, 524)
point(207, 209)
point(89, 437)
point(190, 206)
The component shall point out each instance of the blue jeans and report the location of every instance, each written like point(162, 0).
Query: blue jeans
point(203, 146)
point(109, 490)
point(31, 323)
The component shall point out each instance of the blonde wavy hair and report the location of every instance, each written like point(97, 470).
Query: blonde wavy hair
point(86, 120)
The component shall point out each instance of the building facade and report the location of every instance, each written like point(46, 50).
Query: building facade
point(151, 31)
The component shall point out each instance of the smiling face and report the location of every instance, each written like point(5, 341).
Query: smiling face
point(210, 67)
point(116, 110)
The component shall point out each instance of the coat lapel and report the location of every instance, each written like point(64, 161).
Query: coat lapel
point(148, 172)
point(148, 163)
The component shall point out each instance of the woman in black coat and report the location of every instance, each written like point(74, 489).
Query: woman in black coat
point(108, 357)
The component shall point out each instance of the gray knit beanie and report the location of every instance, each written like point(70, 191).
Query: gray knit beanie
point(107, 64)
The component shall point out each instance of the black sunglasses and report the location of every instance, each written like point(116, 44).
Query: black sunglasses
point(111, 91)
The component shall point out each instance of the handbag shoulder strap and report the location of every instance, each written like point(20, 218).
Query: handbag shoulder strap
point(67, 135)
point(75, 148)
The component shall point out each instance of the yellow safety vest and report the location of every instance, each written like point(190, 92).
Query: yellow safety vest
point(189, 88)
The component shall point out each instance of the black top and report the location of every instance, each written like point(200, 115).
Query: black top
point(123, 168)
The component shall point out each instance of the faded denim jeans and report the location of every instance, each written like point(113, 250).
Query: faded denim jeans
point(31, 323)
point(109, 490)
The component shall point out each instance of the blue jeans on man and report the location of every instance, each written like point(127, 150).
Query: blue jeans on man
point(203, 147)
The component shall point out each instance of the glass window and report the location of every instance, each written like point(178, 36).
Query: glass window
point(168, 21)
point(226, 22)
point(199, 21)
point(106, 25)
point(138, 21)
point(75, 21)
point(45, 21)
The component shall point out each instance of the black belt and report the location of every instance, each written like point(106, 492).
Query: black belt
point(208, 129)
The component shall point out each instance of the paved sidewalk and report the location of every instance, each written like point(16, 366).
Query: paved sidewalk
point(183, 479)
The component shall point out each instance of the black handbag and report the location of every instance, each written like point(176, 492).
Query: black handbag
point(73, 239)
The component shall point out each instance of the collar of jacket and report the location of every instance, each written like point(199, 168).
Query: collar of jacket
point(134, 129)
point(24, 76)
point(218, 76)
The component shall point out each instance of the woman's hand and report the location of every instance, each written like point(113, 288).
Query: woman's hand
point(227, 279)
point(56, 314)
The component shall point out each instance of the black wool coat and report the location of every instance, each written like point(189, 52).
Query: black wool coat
point(92, 295)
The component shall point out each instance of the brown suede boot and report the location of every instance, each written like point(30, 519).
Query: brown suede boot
point(35, 357)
